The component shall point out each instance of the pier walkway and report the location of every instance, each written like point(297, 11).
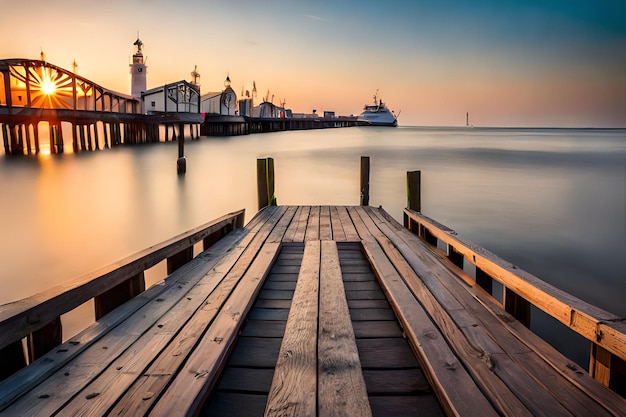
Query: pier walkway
point(323, 310)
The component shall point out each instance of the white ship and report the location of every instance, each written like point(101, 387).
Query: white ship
point(378, 114)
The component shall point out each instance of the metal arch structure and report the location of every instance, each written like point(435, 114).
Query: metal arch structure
point(36, 84)
point(32, 91)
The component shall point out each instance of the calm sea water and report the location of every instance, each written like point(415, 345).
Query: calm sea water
point(551, 201)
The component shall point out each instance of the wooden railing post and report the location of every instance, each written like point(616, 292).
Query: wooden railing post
point(118, 295)
point(517, 306)
point(181, 162)
point(414, 190)
point(45, 339)
point(455, 256)
point(265, 182)
point(13, 359)
point(179, 259)
point(365, 180)
point(484, 281)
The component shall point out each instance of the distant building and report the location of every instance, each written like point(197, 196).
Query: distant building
point(329, 114)
point(178, 97)
point(138, 71)
point(223, 102)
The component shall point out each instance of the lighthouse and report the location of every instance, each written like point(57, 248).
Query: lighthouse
point(138, 72)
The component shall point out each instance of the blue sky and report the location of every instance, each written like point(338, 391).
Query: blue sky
point(508, 63)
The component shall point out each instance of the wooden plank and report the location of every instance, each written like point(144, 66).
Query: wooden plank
point(168, 361)
point(383, 328)
point(578, 315)
point(256, 352)
point(574, 374)
point(303, 221)
point(187, 392)
point(340, 379)
point(451, 382)
point(246, 379)
point(367, 304)
point(338, 234)
point(94, 338)
point(279, 285)
point(477, 349)
point(280, 314)
point(372, 314)
point(264, 328)
point(509, 343)
point(25, 316)
point(395, 406)
point(396, 381)
point(278, 304)
point(290, 233)
point(348, 226)
point(325, 225)
point(229, 404)
point(313, 225)
point(294, 385)
point(386, 353)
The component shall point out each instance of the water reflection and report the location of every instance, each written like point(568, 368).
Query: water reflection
point(552, 202)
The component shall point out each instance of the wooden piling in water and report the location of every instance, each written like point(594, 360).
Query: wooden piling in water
point(265, 182)
point(365, 180)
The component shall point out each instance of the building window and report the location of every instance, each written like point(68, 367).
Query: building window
point(154, 104)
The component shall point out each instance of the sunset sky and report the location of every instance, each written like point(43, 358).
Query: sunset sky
point(507, 63)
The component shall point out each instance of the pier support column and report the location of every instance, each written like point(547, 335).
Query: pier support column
point(181, 163)
point(74, 138)
point(96, 144)
point(265, 182)
point(5, 139)
point(365, 180)
point(36, 135)
point(28, 144)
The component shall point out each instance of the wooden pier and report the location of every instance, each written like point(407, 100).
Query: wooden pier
point(311, 310)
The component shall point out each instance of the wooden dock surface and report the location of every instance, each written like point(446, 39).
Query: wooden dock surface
point(306, 311)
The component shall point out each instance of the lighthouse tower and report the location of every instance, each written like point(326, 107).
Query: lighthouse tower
point(138, 72)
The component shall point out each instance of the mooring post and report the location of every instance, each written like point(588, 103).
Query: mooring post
point(365, 180)
point(414, 190)
point(181, 163)
point(265, 182)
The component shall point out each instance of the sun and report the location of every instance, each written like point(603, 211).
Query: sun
point(48, 87)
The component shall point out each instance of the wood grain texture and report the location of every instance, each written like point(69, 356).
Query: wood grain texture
point(294, 386)
point(578, 315)
point(342, 390)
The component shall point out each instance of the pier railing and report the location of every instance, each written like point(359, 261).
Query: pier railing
point(37, 318)
point(605, 331)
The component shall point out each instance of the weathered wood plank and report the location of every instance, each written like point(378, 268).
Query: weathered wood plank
point(340, 379)
point(580, 316)
point(451, 382)
point(386, 328)
point(326, 232)
point(246, 379)
point(294, 385)
point(290, 233)
point(313, 225)
point(396, 381)
point(94, 338)
point(346, 223)
point(255, 352)
point(188, 390)
point(302, 224)
point(338, 234)
point(494, 323)
point(264, 328)
point(22, 317)
point(168, 361)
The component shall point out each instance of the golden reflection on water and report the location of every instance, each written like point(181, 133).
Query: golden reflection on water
point(548, 202)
